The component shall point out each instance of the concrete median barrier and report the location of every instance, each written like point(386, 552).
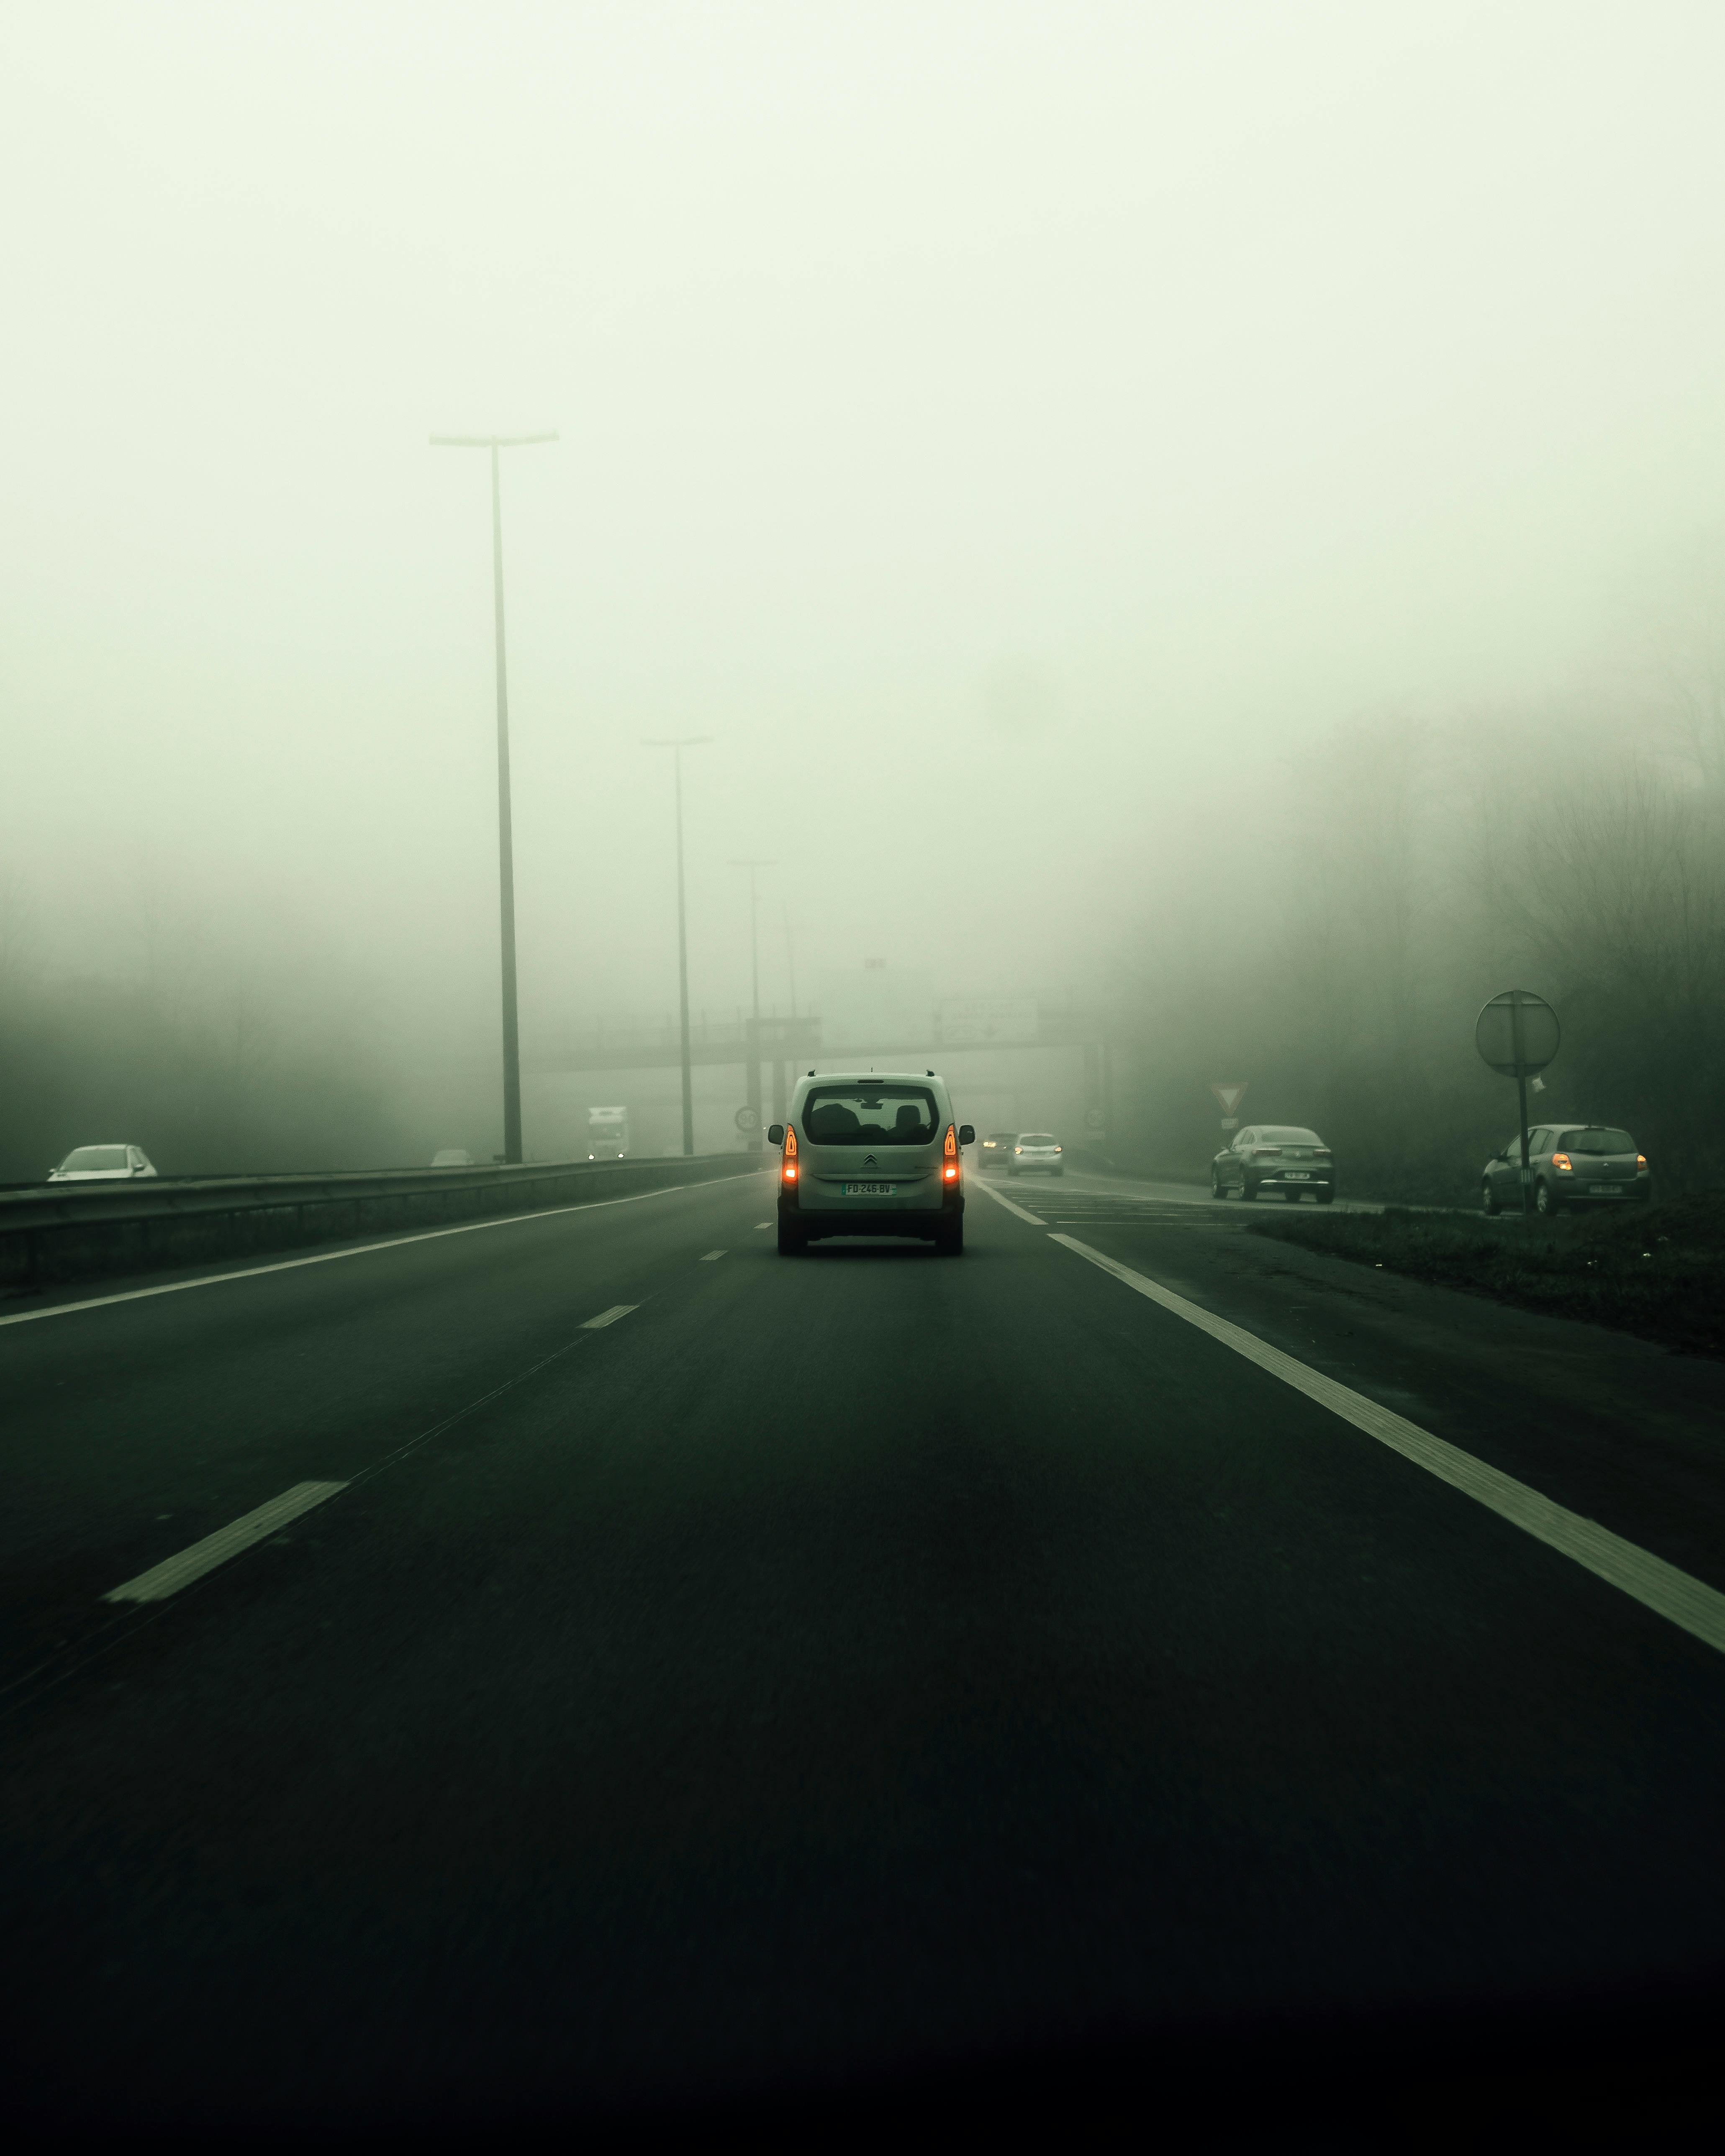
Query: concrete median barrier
point(72, 1231)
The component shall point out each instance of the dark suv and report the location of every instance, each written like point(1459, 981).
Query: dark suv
point(1275, 1156)
point(1579, 1164)
point(997, 1148)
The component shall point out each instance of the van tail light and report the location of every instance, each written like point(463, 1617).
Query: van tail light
point(788, 1158)
point(1561, 1160)
point(949, 1166)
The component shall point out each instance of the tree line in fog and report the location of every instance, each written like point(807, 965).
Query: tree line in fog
point(217, 1054)
point(1330, 932)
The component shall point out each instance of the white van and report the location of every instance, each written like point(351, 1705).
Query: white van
point(877, 1153)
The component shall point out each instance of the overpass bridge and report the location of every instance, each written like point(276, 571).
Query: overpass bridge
point(788, 1044)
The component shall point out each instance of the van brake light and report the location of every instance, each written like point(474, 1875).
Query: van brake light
point(787, 1159)
point(951, 1151)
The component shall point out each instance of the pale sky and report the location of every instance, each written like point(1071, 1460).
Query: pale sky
point(989, 422)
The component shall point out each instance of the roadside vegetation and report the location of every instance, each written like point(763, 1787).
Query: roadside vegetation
point(1658, 1271)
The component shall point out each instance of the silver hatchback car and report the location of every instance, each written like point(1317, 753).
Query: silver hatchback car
point(874, 1154)
point(1571, 1165)
point(1034, 1151)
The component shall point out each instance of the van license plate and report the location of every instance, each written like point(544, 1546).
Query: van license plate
point(871, 1190)
point(1604, 1190)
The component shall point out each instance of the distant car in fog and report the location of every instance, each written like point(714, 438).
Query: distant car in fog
point(997, 1148)
point(1036, 1153)
point(103, 1163)
point(1280, 1157)
point(452, 1156)
point(1573, 1164)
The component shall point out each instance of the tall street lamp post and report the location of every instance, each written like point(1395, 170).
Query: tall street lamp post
point(754, 1076)
point(505, 836)
point(677, 748)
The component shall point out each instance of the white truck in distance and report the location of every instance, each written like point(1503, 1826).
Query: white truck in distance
point(607, 1133)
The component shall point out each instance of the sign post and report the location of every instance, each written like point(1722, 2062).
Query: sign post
point(1517, 1034)
point(1230, 1092)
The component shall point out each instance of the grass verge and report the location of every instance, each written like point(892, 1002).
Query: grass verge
point(1658, 1271)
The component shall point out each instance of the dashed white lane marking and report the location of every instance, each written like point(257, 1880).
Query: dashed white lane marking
point(759, 1225)
point(609, 1316)
point(711, 1255)
point(364, 1250)
point(1690, 1603)
point(174, 1573)
point(1035, 1220)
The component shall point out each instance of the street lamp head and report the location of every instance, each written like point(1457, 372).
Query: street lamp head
point(489, 441)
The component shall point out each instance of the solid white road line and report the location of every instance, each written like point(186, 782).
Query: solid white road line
point(1690, 1603)
point(711, 1255)
point(174, 1573)
point(609, 1316)
point(1035, 1220)
point(364, 1250)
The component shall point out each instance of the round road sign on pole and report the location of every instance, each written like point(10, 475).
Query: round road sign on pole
point(748, 1120)
point(1517, 1033)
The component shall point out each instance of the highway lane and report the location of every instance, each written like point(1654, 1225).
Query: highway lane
point(136, 1426)
point(1614, 1427)
point(829, 1670)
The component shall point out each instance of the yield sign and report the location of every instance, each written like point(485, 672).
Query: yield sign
point(1230, 1095)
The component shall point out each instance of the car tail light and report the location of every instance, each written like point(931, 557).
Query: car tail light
point(1561, 1160)
point(1640, 1160)
point(1263, 1153)
point(950, 1171)
point(787, 1158)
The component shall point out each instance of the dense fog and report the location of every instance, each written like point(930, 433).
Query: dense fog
point(1209, 519)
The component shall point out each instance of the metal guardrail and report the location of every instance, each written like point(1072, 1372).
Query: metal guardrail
point(65, 1230)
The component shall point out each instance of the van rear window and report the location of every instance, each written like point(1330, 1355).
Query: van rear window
point(869, 1114)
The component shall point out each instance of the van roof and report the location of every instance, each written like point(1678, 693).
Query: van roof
point(872, 1077)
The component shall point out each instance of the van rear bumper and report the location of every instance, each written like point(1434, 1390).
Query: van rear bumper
point(927, 1221)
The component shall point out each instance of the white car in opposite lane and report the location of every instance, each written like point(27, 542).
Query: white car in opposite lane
point(103, 1163)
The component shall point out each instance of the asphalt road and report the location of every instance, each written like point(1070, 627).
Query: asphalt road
point(869, 1677)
